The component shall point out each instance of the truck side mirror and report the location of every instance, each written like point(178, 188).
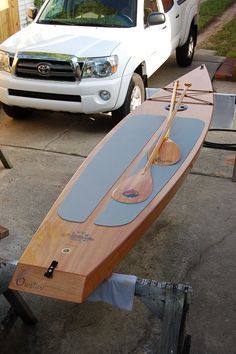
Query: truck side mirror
point(32, 12)
point(156, 18)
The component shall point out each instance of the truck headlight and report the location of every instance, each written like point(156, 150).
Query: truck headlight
point(100, 67)
point(4, 61)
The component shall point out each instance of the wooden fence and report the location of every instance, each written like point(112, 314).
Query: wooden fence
point(9, 18)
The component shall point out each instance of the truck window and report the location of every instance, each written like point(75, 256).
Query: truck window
point(107, 13)
point(149, 7)
point(55, 8)
point(167, 4)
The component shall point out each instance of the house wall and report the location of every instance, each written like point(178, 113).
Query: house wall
point(9, 18)
point(23, 6)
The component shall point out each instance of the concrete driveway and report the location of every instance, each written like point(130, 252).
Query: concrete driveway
point(192, 241)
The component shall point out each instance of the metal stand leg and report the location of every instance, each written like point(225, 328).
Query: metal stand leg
point(170, 302)
point(5, 160)
point(18, 305)
point(4, 232)
point(234, 171)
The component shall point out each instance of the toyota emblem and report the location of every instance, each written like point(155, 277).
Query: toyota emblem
point(43, 69)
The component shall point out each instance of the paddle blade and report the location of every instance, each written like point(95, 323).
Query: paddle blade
point(169, 153)
point(134, 189)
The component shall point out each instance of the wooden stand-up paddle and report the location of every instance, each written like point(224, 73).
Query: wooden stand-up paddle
point(137, 188)
point(169, 152)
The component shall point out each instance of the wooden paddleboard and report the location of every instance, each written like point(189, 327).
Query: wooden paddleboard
point(87, 233)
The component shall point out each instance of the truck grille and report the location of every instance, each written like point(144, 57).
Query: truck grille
point(48, 68)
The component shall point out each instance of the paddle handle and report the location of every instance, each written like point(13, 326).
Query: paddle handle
point(166, 129)
point(172, 105)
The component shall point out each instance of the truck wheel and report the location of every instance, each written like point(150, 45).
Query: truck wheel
point(16, 112)
point(134, 97)
point(184, 54)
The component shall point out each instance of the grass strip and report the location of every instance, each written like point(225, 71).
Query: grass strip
point(210, 9)
point(224, 41)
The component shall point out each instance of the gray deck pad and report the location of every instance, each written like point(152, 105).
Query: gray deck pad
point(107, 166)
point(185, 132)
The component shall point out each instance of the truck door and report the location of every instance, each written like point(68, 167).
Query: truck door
point(174, 12)
point(156, 43)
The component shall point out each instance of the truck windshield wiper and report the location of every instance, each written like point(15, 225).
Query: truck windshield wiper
point(56, 22)
point(95, 24)
point(74, 23)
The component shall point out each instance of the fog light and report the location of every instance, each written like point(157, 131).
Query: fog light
point(105, 95)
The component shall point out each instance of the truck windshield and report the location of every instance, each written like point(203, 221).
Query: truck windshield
point(102, 13)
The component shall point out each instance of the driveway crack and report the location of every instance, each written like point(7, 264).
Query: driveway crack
point(45, 150)
point(56, 138)
point(203, 255)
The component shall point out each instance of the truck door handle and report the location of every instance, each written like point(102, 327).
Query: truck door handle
point(177, 16)
point(164, 27)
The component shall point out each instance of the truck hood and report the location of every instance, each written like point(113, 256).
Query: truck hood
point(73, 40)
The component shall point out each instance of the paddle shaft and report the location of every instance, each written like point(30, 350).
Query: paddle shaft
point(166, 129)
point(172, 105)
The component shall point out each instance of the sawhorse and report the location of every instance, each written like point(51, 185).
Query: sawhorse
point(169, 302)
point(223, 146)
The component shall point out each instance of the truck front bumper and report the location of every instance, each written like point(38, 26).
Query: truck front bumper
point(82, 97)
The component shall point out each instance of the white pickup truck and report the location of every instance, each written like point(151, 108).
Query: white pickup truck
point(89, 56)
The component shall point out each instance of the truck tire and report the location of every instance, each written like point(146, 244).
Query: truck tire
point(16, 112)
point(134, 97)
point(184, 54)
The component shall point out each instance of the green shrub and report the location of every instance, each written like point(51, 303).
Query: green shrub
point(38, 3)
